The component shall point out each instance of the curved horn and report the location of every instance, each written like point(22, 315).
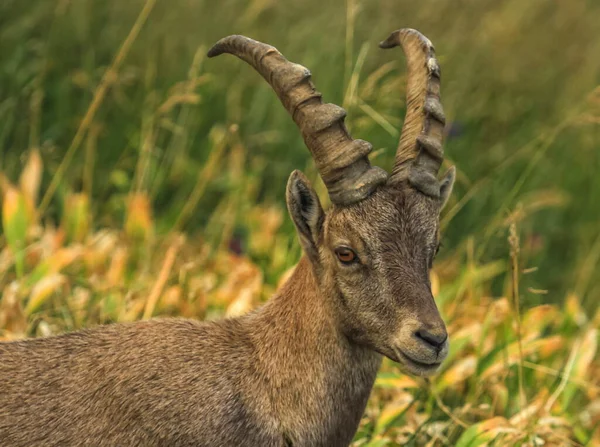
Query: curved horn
point(342, 162)
point(420, 152)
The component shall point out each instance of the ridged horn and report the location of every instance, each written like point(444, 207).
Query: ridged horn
point(342, 161)
point(420, 152)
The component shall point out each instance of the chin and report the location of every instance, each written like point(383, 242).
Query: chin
point(417, 368)
point(410, 365)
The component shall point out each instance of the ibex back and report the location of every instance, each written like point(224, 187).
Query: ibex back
point(299, 370)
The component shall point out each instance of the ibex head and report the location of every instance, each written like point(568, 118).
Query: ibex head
point(372, 251)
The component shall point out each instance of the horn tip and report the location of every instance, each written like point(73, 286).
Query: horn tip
point(224, 45)
point(392, 41)
point(215, 51)
point(405, 36)
point(220, 47)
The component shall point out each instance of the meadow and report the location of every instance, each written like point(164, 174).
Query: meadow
point(140, 179)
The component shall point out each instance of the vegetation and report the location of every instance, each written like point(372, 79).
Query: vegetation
point(139, 180)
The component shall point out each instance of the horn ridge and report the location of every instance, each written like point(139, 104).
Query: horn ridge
point(343, 166)
point(423, 128)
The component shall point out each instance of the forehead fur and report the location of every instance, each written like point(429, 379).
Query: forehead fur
point(396, 213)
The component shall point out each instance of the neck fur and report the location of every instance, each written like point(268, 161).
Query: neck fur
point(318, 379)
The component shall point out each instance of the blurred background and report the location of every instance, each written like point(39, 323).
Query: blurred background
point(141, 179)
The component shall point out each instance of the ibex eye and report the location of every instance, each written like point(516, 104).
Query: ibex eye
point(346, 255)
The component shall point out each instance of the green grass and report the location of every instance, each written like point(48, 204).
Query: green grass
point(105, 173)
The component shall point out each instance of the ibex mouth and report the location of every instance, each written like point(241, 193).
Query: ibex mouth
point(414, 366)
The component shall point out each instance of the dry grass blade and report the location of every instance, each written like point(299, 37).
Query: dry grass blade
point(209, 171)
point(553, 372)
point(447, 410)
point(588, 268)
point(378, 118)
point(513, 240)
point(565, 377)
point(163, 276)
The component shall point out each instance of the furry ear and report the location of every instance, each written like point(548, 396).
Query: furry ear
point(446, 186)
point(306, 212)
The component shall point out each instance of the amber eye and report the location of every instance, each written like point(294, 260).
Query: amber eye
point(346, 255)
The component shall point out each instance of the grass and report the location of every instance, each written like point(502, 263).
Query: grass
point(140, 179)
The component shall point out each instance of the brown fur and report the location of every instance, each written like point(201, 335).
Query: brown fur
point(298, 371)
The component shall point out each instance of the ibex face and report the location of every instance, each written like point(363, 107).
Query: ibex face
point(384, 294)
point(371, 253)
point(372, 260)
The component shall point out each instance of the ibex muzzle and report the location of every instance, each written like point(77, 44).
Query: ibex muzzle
point(299, 370)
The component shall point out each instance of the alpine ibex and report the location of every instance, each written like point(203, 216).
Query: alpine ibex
point(299, 370)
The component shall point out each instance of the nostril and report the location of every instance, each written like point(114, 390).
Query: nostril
point(434, 339)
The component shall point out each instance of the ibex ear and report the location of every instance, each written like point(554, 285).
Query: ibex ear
point(446, 186)
point(306, 212)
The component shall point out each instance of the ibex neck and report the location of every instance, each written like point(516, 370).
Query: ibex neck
point(318, 381)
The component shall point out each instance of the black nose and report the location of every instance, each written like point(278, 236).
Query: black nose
point(435, 338)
